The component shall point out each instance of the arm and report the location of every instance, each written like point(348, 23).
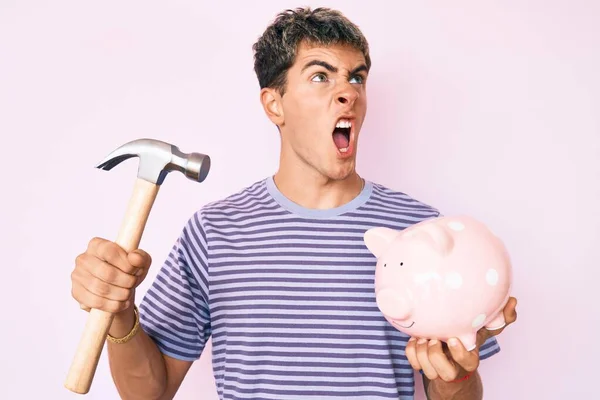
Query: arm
point(446, 368)
point(466, 389)
point(463, 382)
point(174, 323)
point(138, 368)
point(466, 385)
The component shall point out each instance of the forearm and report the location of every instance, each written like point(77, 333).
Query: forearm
point(137, 367)
point(469, 389)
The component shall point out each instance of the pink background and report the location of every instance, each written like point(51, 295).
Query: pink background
point(491, 110)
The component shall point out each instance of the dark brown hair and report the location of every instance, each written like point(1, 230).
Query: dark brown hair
point(275, 51)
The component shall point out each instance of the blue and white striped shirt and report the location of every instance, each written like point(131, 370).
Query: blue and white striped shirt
point(287, 294)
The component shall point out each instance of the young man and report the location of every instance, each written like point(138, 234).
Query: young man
point(278, 273)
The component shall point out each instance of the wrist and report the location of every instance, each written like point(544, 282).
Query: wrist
point(467, 385)
point(123, 322)
point(462, 376)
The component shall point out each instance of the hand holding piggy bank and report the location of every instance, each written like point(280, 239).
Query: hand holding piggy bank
point(441, 278)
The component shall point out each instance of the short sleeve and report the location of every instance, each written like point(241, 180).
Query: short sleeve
point(489, 348)
point(174, 311)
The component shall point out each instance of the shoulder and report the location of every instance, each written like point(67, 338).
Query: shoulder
point(249, 199)
point(395, 209)
point(394, 199)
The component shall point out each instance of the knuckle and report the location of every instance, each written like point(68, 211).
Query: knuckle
point(431, 374)
point(74, 293)
point(472, 366)
point(95, 242)
point(108, 274)
point(449, 376)
point(84, 261)
point(79, 260)
point(110, 253)
point(78, 294)
point(130, 281)
point(114, 306)
point(124, 295)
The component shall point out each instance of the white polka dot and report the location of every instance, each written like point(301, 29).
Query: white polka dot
point(478, 320)
point(491, 277)
point(456, 226)
point(454, 280)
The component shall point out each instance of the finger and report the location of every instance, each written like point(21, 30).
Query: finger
point(411, 354)
point(468, 360)
point(423, 357)
point(90, 300)
point(102, 288)
point(105, 271)
point(112, 253)
point(445, 368)
point(510, 316)
point(141, 261)
point(510, 311)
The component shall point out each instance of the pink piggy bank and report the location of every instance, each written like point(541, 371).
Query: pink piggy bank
point(441, 278)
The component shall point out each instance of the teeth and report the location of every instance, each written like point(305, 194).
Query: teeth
point(345, 149)
point(343, 123)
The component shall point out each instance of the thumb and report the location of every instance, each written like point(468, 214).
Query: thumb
point(139, 259)
point(468, 360)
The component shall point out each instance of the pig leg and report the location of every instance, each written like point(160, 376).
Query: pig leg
point(497, 323)
point(469, 340)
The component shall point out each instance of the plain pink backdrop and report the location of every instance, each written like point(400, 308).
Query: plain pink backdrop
point(490, 110)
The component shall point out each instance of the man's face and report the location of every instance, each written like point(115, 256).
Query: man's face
point(323, 109)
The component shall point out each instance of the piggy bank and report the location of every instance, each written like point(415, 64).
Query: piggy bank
point(443, 277)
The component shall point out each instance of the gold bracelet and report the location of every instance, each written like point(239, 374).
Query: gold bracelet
point(131, 334)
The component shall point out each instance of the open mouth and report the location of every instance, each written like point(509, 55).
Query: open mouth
point(341, 135)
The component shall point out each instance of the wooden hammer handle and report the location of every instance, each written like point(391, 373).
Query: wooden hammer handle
point(83, 367)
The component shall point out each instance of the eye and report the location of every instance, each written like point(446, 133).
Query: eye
point(320, 77)
point(401, 264)
point(357, 79)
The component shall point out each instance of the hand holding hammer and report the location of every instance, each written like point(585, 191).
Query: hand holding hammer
point(156, 160)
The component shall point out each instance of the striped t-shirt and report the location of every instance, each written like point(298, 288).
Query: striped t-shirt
point(287, 294)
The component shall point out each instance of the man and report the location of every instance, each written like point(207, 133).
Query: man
point(278, 273)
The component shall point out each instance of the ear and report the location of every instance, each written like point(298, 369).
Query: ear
point(378, 239)
point(438, 236)
point(271, 102)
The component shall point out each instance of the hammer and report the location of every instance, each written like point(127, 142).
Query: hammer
point(156, 160)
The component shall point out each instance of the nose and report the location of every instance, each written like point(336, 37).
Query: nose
point(347, 95)
point(393, 305)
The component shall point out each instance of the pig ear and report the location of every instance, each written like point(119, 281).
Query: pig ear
point(378, 239)
point(440, 238)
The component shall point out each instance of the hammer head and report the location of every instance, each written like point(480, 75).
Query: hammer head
point(157, 159)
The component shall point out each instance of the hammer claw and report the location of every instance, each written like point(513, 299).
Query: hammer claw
point(112, 161)
point(157, 159)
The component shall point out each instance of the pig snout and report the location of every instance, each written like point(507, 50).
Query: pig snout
point(393, 304)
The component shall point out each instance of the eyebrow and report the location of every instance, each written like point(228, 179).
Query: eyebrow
point(331, 68)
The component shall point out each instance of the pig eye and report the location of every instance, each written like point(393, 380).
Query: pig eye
point(401, 264)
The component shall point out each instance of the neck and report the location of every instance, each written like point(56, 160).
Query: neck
point(310, 189)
